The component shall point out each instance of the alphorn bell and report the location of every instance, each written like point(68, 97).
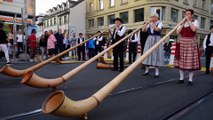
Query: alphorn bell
point(58, 104)
point(102, 60)
point(33, 80)
point(67, 61)
point(103, 66)
point(38, 58)
point(8, 70)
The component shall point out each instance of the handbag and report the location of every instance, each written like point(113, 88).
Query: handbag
point(177, 50)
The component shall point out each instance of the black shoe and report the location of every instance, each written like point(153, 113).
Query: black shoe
point(8, 63)
point(156, 76)
point(121, 70)
point(180, 82)
point(145, 74)
point(114, 69)
point(207, 72)
point(190, 83)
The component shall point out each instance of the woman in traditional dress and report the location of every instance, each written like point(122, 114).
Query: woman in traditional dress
point(187, 58)
point(156, 58)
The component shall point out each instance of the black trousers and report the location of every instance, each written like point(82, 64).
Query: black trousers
point(91, 52)
point(59, 49)
point(81, 51)
point(132, 51)
point(209, 52)
point(20, 47)
point(98, 49)
point(118, 53)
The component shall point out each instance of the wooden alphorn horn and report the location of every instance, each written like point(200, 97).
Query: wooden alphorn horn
point(33, 80)
point(103, 66)
point(58, 61)
point(58, 104)
point(9, 71)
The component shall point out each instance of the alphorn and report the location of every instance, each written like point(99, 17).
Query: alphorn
point(9, 71)
point(58, 104)
point(58, 61)
point(33, 80)
point(103, 66)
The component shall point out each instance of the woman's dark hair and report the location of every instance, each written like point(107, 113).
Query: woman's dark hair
point(45, 32)
point(211, 27)
point(33, 31)
point(190, 10)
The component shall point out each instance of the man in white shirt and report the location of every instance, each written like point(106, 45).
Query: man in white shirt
point(118, 51)
point(19, 42)
point(133, 47)
point(81, 48)
point(99, 43)
point(208, 47)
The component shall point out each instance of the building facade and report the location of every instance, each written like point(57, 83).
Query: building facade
point(68, 16)
point(11, 15)
point(100, 13)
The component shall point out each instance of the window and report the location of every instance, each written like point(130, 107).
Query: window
point(112, 3)
point(101, 21)
point(124, 1)
point(139, 15)
point(211, 22)
point(195, 3)
point(203, 4)
point(174, 15)
point(203, 21)
point(111, 19)
point(54, 21)
point(160, 10)
point(51, 21)
point(196, 17)
point(60, 22)
point(65, 19)
point(212, 8)
point(91, 23)
point(185, 1)
point(101, 4)
point(124, 16)
point(91, 7)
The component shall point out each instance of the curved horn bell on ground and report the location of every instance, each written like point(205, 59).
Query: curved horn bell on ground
point(7, 70)
point(34, 80)
point(67, 76)
point(102, 60)
point(67, 61)
point(103, 66)
point(38, 58)
point(60, 105)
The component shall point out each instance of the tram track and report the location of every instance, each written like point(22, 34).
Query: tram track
point(185, 109)
point(133, 89)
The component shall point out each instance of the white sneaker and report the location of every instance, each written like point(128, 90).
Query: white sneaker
point(31, 60)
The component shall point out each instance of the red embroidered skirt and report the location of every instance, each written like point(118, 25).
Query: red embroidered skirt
point(189, 58)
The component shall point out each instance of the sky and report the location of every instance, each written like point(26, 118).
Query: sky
point(44, 5)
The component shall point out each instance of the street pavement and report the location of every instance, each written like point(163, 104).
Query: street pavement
point(137, 98)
